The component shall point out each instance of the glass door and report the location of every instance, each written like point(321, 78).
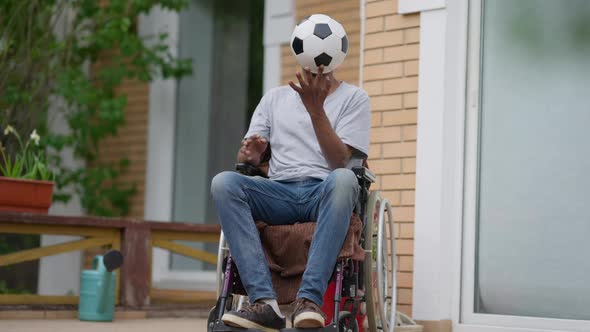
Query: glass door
point(527, 220)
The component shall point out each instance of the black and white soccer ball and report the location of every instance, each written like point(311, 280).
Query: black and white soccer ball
point(319, 40)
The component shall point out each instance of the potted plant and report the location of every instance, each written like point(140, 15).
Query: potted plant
point(26, 183)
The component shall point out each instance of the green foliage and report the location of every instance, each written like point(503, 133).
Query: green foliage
point(17, 279)
point(4, 289)
point(46, 50)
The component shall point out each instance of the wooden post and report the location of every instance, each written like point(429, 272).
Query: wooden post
point(136, 270)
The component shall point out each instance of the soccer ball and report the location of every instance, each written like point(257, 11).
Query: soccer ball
point(319, 40)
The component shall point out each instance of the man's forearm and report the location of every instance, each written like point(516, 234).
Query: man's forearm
point(336, 152)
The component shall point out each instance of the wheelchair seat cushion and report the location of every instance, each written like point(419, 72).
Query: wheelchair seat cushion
point(286, 248)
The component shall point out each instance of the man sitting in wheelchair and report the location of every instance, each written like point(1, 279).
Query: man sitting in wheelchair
point(315, 129)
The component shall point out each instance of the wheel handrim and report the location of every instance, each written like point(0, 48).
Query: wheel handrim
point(372, 316)
point(385, 262)
point(380, 271)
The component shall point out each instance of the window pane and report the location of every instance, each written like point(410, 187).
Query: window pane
point(534, 173)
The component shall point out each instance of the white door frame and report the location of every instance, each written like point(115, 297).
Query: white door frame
point(439, 160)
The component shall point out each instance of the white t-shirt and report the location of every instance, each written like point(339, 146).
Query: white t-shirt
point(282, 119)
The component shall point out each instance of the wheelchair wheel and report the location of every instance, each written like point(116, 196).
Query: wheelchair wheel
point(380, 272)
point(347, 322)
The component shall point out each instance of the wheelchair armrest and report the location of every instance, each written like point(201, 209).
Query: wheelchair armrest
point(364, 175)
point(249, 170)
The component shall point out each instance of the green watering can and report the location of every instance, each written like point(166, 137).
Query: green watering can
point(97, 288)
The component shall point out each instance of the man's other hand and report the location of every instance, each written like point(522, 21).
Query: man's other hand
point(252, 149)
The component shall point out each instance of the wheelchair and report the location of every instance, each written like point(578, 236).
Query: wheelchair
point(362, 292)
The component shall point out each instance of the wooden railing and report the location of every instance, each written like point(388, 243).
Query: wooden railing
point(134, 238)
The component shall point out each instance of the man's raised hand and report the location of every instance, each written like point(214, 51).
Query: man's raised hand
point(313, 90)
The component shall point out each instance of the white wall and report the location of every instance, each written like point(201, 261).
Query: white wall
point(161, 129)
point(60, 274)
point(279, 21)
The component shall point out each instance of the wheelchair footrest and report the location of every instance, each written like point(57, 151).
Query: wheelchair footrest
point(220, 327)
point(329, 328)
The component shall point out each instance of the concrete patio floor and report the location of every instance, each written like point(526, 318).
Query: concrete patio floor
point(124, 325)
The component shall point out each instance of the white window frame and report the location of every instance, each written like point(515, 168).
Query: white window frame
point(470, 321)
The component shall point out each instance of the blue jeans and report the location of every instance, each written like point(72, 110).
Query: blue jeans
point(240, 200)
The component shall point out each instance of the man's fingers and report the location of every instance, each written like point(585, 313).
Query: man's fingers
point(295, 87)
point(320, 76)
point(246, 153)
point(248, 140)
point(259, 141)
point(253, 146)
point(260, 145)
point(302, 83)
point(308, 76)
point(328, 84)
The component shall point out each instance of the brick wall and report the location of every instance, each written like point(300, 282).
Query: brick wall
point(391, 79)
point(131, 142)
point(131, 139)
point(347, 12)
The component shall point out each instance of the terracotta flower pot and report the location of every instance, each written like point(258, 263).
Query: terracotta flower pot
point(25, 195)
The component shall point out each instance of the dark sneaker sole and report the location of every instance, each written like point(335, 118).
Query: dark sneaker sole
point(236, 321)
point(309, 320)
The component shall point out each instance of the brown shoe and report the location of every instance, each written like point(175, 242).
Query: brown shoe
point(258, 316)
point(307, 315)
